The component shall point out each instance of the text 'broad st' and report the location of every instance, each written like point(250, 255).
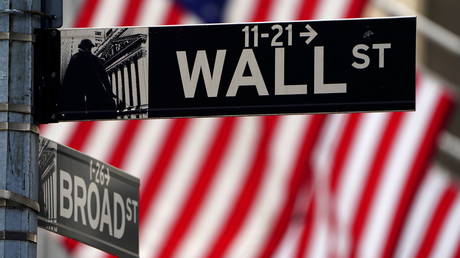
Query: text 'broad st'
point(88, 200)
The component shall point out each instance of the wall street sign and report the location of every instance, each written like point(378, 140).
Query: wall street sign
point(353, 65)
point(88, 200)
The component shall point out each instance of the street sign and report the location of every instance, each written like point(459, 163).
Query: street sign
point(88, 200)
point(353, 65)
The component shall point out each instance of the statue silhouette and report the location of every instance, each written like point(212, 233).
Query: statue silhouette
point(86, 89)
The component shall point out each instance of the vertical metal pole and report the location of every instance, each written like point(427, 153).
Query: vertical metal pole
point(18, 147)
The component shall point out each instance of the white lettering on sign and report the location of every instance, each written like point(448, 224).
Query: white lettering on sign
point(99, 173)
point(255, 79)
point(365, 58)
point(278, 36)
point(248, 59)
point(320, 86)
point(93, 191)
point(106, 214)
point(247, 72)
point(211, 81)
point(118, 202)
point(359, 52)
point(82, 201)
point(66, 200)
point(280, 87)
point(79, 199)
point(381, 48)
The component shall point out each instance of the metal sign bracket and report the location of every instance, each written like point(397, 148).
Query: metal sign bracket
point(17, 36)
point(15, 108)
point(51, 13)
point(19, 236)
point(18, 127)
point(14, 200)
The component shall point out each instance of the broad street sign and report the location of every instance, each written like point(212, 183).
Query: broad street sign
point(353, 65)
point(88, 200)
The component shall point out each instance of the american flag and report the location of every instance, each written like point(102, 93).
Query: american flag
point(345, 185)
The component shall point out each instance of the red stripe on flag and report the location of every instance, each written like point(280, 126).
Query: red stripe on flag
point(125, 141)
point(346, 140)
point(200, 186)
point(42, 128)
point(262, 9)
point(355, 8)
point(301, 176)
point(80, 135)
point(374, 178)
point(437, 221)
point(174, 15)
point(417, 172)
point(457, 251)
point(307, 9)
point(70, 244)
point(131, 13)
point(246, 197)
point(158, 171)
point(86, 14)
point(308, 225)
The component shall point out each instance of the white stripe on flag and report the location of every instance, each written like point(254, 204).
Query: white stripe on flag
point(108, 13)
point(284, 10)
point(449, 236)
point(282, 155)
point(101, 141)
point(87, 251)
point(318, 247)
point(331, 9)
point(360, 155)
point(397, 169)
point(60, 132)
point(189, 18)
point(239, 10)
point(288, 244)
point(70, 11)
point(322, 154)
point(322, 164)
point(153, 12)
point(427, 198)
point(229, 177)
point(146, 147)
point(173, 191)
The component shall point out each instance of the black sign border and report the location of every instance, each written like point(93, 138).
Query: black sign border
point(47, 84)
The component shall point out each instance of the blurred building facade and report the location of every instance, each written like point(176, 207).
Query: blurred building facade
point(447, 64)
point(435, 57)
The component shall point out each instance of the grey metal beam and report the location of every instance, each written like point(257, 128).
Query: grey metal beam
point(18, 149)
